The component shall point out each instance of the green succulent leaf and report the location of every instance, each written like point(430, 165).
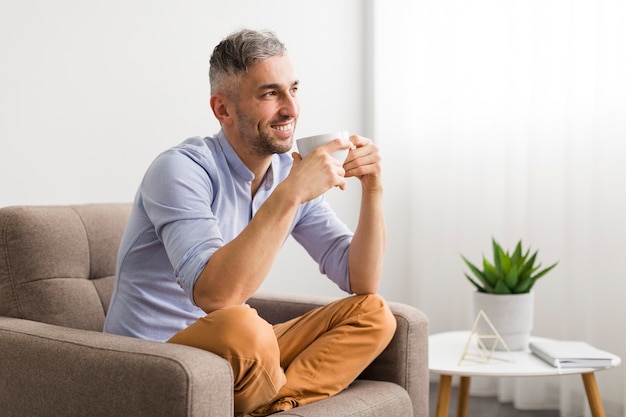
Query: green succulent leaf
point(480, 275)
point(545, 271)
point(517, 258)
point(497, 250)
point(505, 262)
point(501, 288)
point(477, 285)
point(490, 273)
point(528, 267)
point(523, 286)
point(512, 278)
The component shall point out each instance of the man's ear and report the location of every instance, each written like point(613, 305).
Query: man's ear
point(220, 106)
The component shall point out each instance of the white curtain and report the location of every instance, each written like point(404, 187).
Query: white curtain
point(507, 119)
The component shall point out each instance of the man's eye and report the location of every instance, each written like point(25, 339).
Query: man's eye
point(269, 94)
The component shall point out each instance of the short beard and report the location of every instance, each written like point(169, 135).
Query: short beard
point(262, 143)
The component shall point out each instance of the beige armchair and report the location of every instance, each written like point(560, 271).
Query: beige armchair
point(57, 268)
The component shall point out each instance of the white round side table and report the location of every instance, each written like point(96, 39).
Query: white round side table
point(445, 351)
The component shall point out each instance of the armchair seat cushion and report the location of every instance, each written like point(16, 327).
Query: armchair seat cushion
point(362, 399)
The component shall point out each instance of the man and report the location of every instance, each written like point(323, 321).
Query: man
point(210, 217)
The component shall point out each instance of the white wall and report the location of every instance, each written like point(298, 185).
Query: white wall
point(92, 91)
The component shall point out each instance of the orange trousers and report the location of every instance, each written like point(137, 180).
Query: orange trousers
point(305, 359)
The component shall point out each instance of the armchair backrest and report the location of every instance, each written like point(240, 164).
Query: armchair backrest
point(57, 263)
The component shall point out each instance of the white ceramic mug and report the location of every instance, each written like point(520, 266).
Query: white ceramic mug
point(308, 144)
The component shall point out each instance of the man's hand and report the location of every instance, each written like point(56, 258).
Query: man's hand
point(363, 162)
point(318, 172)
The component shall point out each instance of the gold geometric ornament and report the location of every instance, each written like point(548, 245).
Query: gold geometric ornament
point(477, 351)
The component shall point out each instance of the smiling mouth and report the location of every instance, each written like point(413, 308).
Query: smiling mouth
point(283, 128)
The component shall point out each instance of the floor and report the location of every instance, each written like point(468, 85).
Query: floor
point(485, 407)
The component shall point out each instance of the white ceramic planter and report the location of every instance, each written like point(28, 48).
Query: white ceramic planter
point(511, 315)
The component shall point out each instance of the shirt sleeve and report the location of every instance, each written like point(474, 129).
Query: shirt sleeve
point(326, 239)
point(177, 195)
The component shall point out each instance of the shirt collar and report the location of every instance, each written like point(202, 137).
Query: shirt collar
point(233, 159)
point(241, 169)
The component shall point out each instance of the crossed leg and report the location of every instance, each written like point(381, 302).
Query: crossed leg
point(321, 352)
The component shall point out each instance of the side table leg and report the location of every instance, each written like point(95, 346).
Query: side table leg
point(593, 394)
point(464, 389)
point(443, 398)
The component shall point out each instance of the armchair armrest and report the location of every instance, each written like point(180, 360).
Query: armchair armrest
point(70, 372)
point(404, 361)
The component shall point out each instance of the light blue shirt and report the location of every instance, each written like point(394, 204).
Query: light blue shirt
point(195, 198)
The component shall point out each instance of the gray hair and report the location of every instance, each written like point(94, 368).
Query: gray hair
point(236, 53)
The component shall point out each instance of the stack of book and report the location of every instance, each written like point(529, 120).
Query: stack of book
point(570, 354)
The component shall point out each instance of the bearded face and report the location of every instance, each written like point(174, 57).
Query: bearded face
point(266, 108)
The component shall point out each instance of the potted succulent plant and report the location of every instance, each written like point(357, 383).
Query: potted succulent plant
point(503, 292)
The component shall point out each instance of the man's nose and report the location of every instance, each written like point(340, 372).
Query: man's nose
point(290, 106)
